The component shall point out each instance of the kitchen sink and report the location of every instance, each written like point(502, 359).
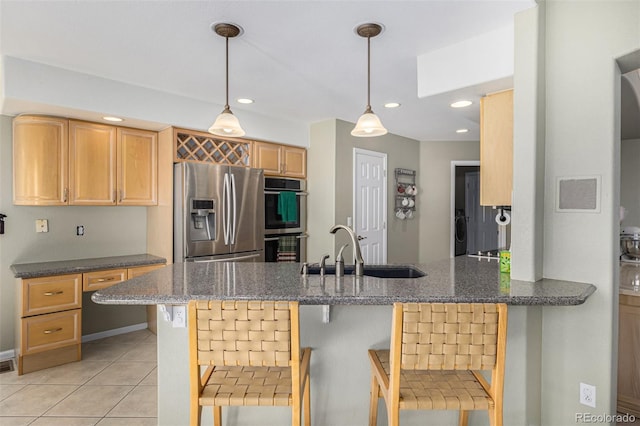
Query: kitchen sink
point(378, 271)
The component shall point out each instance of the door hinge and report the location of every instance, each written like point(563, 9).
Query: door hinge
point(384, 172)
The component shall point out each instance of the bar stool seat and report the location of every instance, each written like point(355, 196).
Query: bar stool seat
point(251, 356)
point(436, 356)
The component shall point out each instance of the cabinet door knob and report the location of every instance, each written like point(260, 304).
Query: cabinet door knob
point(52, 330)
point(102, 280)
point(53, 293)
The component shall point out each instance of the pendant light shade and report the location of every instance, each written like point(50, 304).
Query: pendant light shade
point(368, 124)
point(226, 123)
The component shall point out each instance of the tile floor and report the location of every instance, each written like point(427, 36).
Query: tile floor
point(114, 384)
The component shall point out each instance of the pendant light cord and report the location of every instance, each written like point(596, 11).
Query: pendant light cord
point(226, 106)
point(368, 73)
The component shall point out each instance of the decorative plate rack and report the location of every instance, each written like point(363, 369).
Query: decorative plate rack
point(405, 193)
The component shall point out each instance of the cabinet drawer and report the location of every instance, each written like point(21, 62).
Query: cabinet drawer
point(51, 294)
point(50, 331)
point(101, 279)
point(141, 270)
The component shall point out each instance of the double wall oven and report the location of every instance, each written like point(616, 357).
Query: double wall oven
point(285, 233)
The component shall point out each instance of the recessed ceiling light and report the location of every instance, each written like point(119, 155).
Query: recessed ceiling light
point(462, 130)
point(461, 104)
point(244, 101)
point(391, 105)
point(109, 118)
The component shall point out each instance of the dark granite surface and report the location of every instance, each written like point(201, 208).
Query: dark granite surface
point(452, 280)
point(43, 269)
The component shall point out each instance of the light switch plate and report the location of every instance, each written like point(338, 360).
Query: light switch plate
point(42, 225)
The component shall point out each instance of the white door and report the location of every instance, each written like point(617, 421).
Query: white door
point(370, 204)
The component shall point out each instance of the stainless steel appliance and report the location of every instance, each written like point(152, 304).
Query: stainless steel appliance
point(218, 213)
point(296, 249)
point(285, 240)
point(274, 224)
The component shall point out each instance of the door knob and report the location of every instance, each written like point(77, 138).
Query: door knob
point(360, 238)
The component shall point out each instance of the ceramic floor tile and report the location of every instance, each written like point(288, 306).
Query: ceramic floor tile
point(6, 390)
point(122, 373)
point(128, 421)
point(34, 400)
point(16, 421)
point(74, 373)
point(100, 351)
point(66, 421)
point(141, 402)
point(12, 378)
point(151, 379)
point(90, 401)
point(143, 352)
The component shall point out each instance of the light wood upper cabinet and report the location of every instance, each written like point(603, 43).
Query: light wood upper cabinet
point(58, 161)
point(280, 160)
point(137, 167)
point(40, 161)
point(92, 164)
point(496, 149)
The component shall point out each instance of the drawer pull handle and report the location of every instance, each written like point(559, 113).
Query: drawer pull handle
point(53, 293)
point(102, 280)
point(53, 330)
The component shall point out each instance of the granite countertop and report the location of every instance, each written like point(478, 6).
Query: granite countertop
point(43, 269)
point(451, 280)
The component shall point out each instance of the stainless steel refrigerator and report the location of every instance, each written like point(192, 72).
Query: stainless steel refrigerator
point(218, 213)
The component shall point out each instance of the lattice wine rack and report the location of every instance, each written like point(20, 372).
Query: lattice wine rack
point(205, 148)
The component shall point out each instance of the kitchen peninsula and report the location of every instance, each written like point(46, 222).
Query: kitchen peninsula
point(339, 369)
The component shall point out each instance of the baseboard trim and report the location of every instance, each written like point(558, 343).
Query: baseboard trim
point(114, 332)
point(11, 354)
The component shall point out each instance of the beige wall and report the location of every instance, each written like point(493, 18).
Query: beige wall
point(109, 231)
point(629, 178)
point(330, 180)
point(321, 185)
point(435, 194)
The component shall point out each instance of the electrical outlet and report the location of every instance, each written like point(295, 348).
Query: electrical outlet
point(179, 316)
point(42, 225)
point(80, 230)
point(587, 395)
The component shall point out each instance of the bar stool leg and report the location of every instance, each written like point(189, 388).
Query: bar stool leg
point(464, 418)
point(373, 403)
point(217, 415)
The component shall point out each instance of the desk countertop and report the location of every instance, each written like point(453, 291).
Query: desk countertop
point(74, 266)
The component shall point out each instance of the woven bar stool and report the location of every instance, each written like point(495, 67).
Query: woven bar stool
point(437, 352)
point(252, 355)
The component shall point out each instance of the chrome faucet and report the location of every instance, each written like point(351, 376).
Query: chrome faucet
point(340, 262)
point(322, 263)
point(357, 254)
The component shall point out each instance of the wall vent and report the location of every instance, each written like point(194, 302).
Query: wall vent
point(578, 194)
point(6, 366)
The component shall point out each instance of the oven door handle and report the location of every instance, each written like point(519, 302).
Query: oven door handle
point(299, 237)
point(301, 194)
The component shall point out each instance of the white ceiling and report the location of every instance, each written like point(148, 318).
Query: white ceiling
point(297, 59)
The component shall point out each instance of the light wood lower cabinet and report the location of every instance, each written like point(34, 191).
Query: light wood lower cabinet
point(49, 330)
point(629, 355)
point(92, 281)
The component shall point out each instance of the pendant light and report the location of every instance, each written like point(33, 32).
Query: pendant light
point(368, 124)
point(226, 123)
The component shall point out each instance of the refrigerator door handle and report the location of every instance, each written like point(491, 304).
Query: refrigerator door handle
point(225, 208)
point(235, 213)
